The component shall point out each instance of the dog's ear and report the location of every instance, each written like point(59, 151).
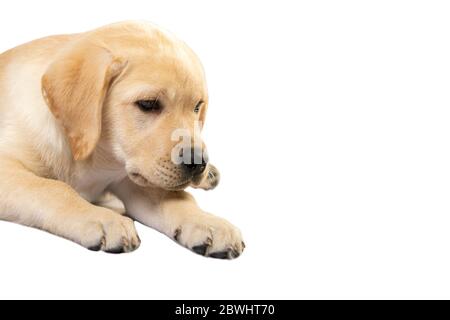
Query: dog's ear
point(75, 87)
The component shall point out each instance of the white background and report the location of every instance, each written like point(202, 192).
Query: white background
point(329, 121)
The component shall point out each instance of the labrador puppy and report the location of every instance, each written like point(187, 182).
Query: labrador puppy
point(93, 113)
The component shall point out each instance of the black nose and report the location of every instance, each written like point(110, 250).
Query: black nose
point(197, 163)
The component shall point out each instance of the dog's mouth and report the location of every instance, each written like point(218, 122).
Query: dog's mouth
point(179, 187)
point(165, 181)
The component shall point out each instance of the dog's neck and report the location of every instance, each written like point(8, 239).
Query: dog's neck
point(91, 177)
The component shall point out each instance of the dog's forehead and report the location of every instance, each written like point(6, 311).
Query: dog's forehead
point(173, 73)
point(170, 76)
point(156, 57)
point(146, 39)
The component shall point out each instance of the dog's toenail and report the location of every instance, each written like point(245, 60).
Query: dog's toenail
point(176, 234)
point(115, 250)
point(96, 247)
point(201, 249)
point(220, 255)
point(235, 253)
point(136, 244)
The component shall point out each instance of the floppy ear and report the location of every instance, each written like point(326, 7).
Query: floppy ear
point(75, 87)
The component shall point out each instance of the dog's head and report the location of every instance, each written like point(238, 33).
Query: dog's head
point(137, 91)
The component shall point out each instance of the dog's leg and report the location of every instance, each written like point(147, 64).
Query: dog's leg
point(176, 214)
point(54, 206)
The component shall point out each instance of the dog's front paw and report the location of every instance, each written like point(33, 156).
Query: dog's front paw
point(210, 236)
point(209, 180)
point(111, 233)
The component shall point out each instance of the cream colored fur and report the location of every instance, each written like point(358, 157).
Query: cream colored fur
point(70, 132)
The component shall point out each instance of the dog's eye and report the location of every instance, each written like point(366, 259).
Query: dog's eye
point(198, 106)
point(149, 105)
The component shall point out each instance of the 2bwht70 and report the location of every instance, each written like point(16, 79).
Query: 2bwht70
point(255, 309)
